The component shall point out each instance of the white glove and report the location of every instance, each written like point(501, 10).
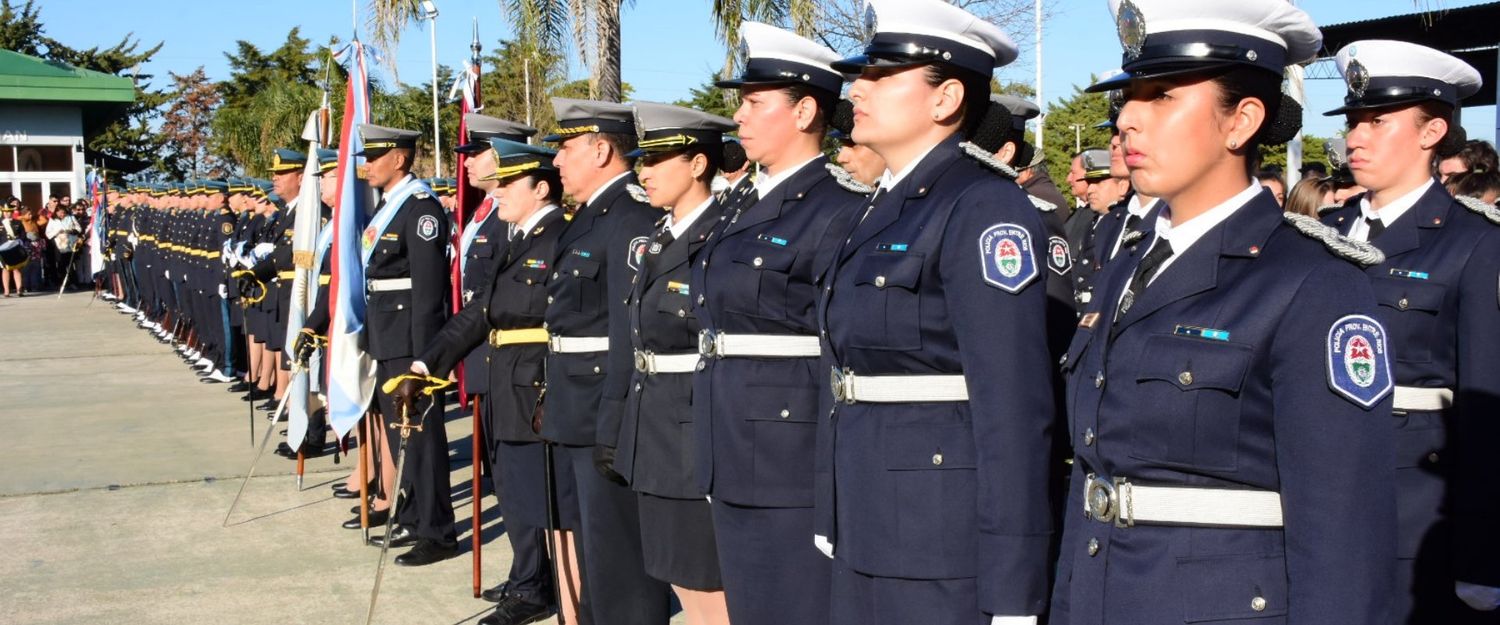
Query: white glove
point(420, 368)
point(264, 249)
point(223, 292)
point(1012, 620)
point(1482, 598)
point(132, 239)
point(821, 542)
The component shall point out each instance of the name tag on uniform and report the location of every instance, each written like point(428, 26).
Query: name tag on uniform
point(583, 253)
point(1204, 333)
point(774, 240)
point(680, 288)
point(891, 247)
point(1407, 273)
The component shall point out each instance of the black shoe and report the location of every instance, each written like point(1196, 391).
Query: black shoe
point(377, 517)
point(256, 394)
point(512, 610)
point(340, 492)
point(238, 387)
point(401, 536)
point(427, 552)
point(494, 595)
point(267, 406)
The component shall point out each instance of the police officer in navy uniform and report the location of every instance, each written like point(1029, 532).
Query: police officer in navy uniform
point(1437, 291)
point(935, 312)
point(681, 150)
point(407, 285)
point(1083, 236)
point(504, 327)
point(597, 256)
point(755, 287)
point(1229, 384)
point(482, 241)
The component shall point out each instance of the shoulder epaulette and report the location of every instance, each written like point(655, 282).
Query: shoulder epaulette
point(988, 160)
point(1041, 204)
point(1476, 205)
point(847, 181)
point(638, 192)
point(1344, 247)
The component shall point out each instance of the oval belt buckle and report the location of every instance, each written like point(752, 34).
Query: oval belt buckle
point(707, 344)
point(643, 361)
point(1103, 501)
point(837, 382)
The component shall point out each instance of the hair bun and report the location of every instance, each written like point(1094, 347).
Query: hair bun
point(1453, 142)
point(843, 118)
point(734, 156)
point(993, 129)
point(1285, 126)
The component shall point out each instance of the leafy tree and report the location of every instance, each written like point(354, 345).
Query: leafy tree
point(709, 98)
point(1070, 125)
point(186, 123)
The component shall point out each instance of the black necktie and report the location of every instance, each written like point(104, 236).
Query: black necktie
point(1376, 227)
point(1150, 264)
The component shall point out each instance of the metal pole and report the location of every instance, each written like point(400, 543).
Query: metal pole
point(526, 74)
point(437, 125)
point(1295, 88)
point(1041, 120)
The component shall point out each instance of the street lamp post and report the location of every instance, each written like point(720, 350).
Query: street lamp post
point(1077, 137)
point(430, 13)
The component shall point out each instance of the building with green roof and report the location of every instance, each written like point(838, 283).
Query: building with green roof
point(47, 112)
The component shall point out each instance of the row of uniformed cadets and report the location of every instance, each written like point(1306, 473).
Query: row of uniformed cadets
point(857, 363)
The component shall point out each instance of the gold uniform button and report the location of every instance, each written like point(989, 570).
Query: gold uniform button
point(880, 282)
point(758, 261)
point(1185, 378)
point(937, 460)
point(575, 273)
point(1432, 457)
point(1258, 604)
point(1093, 547)
point(549, 299)
point(786, 413)
point(682, 313)
point(596, 369)
point(1403, 304)
point(1088, 437)
point(1099, 380)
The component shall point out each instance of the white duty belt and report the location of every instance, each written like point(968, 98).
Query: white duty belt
point(651, 363)
point(1413, 399)
point(380, 285)
point(720, 345)
point(850, 388)
point(577, 344)
point(1125, 504)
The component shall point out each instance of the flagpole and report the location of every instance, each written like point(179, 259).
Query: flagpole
point(430, 12)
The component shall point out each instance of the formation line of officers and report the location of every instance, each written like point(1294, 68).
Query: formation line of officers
point(917, 388)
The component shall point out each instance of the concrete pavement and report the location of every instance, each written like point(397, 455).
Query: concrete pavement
point(118, 469)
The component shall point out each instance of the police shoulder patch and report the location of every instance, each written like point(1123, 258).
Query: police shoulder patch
point(847, 181)
point(1359, 366)
point(1479, 207)
point(1344, 247)
point(427, 227)
point(1059, 257)
point(1041, 204)
point(637, 252)
point(638, 192)
point(1006, 257)
point(988, 160)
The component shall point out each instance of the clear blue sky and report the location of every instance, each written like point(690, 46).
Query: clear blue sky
point(668, 45)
